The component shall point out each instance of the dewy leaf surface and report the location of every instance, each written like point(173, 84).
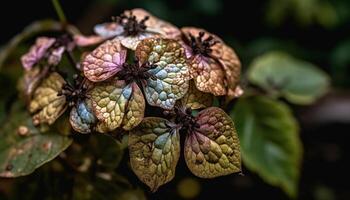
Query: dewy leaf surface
point(170, 72)
point(270, 142)
point(115, 100)
point(154, 149)
point(105, 61)
point(23, 148)
point(46, 105)
point(213, 149)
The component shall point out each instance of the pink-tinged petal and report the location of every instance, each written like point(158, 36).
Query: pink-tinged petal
point(37, 52)
point(208, 75)
point(131, 42)
point(213, 149)
point(105, 61)
point(84, 41)
point(56, 56)
point(108, 30)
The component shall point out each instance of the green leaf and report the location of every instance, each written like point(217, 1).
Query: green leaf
point(298, 81)
point(269, 140)
point(23, 148)
point(154, 148)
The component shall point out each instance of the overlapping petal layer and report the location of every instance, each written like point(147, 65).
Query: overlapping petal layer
point(213, 149)
point(154, 148)
point(105, 61)
point(46, 105)
point(115, 100)
point(170, 72)
point(218, 72)
point(195, 99)
point(37, 52)
point(82, 118)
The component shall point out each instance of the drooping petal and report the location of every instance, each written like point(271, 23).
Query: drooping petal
point(208, 75)
point(36, 52)
point(108, 30)
point(154, 148)
point(170, 75)
point(105, 61)
point(84, 41)
point(213, 149)
point(196, 99)
point(46, 104)
point(115, 100)
point(56, 56)
point(82, 118)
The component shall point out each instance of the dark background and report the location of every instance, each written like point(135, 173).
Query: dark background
point(245, 25)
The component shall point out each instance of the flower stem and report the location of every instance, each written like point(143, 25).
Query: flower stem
point(59, 11)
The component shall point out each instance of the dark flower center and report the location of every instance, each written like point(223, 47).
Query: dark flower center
point(136, 72)
point(75, 93)
point(130, 24)
point(202, 46)
point(184, 117)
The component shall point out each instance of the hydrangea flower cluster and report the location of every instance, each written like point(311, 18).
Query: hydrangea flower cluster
point(143, 63)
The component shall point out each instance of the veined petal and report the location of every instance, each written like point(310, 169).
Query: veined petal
point(82, 118)
point(195, 99)
point(46, 105)
point(105, 61)
point(154, 149)
point(171, 74)
point(115, 100)
point(36, 52)
point(131, 42)
point(213, 149)
point(208, 75)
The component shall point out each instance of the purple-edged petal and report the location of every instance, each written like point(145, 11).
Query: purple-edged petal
point(213, 149)
point(170, 75)
point(37, 52)
point(105, 61)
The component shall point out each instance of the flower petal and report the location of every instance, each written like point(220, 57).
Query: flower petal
point(154, 151)
point(213, 149)
point(157, 25)
point(171, 73)
point(82, 118)
point(105, 61)
point(108, 30)
point(208, 75)
point(31, 81)
point(84, 41)
point(56, 56)
point(36, 52)
point(131, 42)
point(110, 101)
point(135, 109)
point(195, 99)
point(46, 104)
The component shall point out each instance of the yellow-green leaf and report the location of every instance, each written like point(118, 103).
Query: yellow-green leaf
point(46, 104)
point(212, 149)
point(154, 148)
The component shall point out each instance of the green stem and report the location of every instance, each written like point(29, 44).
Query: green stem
point(59, 11)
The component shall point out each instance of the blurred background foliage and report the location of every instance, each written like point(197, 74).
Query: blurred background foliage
point(290, 138)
